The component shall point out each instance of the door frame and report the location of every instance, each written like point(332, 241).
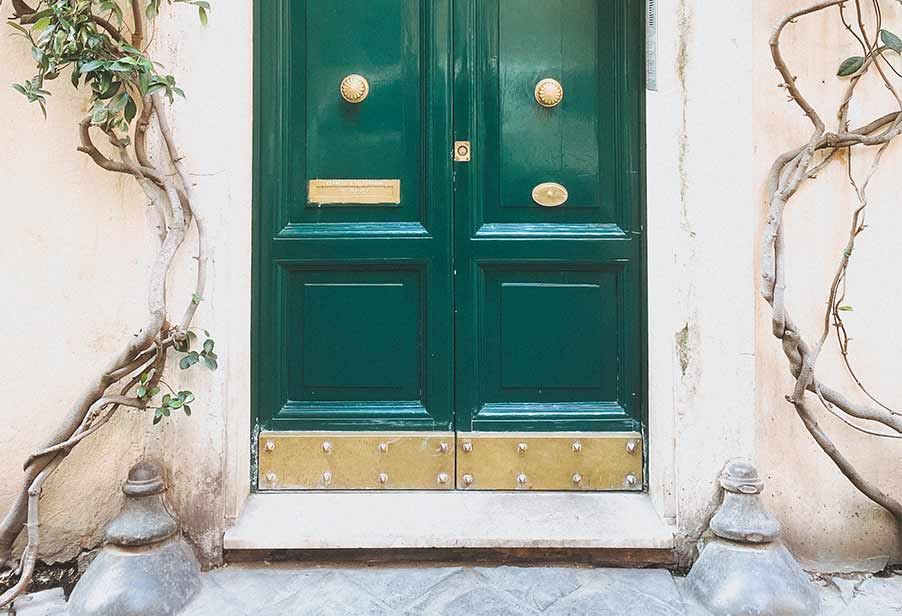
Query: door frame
point(633, 72)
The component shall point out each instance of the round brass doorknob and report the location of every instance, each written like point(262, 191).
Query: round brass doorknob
point(549, 93)
point(355, 88)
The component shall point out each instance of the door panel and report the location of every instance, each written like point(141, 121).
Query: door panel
point(355, 300)
point(548, 298)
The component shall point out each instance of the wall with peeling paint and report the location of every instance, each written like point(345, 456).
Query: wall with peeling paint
point(74, 264)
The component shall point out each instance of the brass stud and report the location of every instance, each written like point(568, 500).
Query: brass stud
point(271, 477)
point(269, 446)
point(522, 447)
point(383, 447)
point(443, 478)
point(468, 447)
point(521, 479)
point(327, 477)
point(577, 447)
point(631, 480)
point(383, 477)
point(327, 447)
point(632, 446)
point(443, 447)
point(468, 479)
point(577, 478)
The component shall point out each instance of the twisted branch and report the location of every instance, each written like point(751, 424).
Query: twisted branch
point(788, 173)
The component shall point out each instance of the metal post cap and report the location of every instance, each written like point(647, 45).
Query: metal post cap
point(741, 477)
point(145, 479)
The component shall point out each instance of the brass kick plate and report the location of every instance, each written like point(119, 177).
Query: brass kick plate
point(356, 461)
point(557, 461)
point(549, 461)
point(366, 192)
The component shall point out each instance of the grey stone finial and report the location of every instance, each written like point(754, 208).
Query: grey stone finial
point(145, 568)
point(744, 569)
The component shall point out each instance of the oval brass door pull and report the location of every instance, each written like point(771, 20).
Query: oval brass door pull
point(549, 93)
point(355, 88)
point(550, 194)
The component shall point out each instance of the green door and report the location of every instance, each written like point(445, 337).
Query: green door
point(449, 250)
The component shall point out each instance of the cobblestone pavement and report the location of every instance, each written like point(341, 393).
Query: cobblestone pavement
point(276, 590)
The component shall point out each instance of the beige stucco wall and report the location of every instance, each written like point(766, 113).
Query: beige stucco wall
point(825, 518)
point(77, 244)
point(73, 269)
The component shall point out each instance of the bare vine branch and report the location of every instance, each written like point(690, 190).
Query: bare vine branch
point(787, 174)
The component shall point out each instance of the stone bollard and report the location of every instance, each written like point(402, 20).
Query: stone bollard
point(744, 570)
point(146, 568)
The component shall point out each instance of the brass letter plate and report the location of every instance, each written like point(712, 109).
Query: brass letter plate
point(583, 461)
point(347, 192)
point(356, 461)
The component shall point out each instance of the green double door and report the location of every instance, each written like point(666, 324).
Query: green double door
point(448, 250)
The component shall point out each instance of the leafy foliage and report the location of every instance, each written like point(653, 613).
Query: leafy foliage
point(84, 38)
point(206, 355)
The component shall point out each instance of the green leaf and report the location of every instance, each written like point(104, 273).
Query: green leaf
point(167, 399)
point(187, 410)
point(142, 392)
point(40, 25)
point(202, 12)
point(90, 67)
point(208, 345)
point(210, 363)
point(891, 40)
point(189, 360)
point(196, 299)
point(153, 392)
point(845, 308)
point(850, 66)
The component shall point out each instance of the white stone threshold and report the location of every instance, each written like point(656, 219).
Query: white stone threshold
point(410, 520)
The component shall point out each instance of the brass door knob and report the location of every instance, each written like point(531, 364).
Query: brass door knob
point(549, 93)
point(355, 88)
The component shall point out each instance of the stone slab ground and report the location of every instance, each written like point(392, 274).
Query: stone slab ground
point(287, 590)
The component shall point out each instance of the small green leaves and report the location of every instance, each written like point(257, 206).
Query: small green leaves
point(845, 308)
point(170, 403)
point(203, 9)
point(850, 66)
point(891, 40)
point(207, 355)
point(196, 299)
point(32, 90)
point(89, 38)
point(189, 360)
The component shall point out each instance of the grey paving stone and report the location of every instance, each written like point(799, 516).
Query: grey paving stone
point(538, 587)
point(249, 587)
point(622, 592)
point(397, 587)
point(331, 595)
point(212, 600)
point(468, 594)
point(46, 603)
point(876, 596)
